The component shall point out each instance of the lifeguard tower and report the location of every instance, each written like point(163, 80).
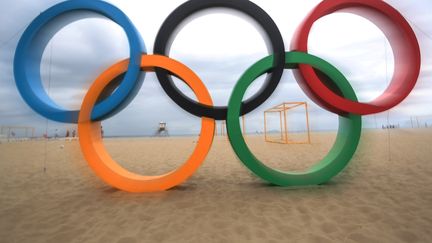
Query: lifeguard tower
point(162, 131)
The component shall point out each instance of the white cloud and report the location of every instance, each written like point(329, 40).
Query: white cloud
point(218, 47)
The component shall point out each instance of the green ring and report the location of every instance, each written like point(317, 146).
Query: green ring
point(340, 154)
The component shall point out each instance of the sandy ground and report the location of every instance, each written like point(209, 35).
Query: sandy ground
point(385, 195)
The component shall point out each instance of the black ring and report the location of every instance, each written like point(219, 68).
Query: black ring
point(163, 43)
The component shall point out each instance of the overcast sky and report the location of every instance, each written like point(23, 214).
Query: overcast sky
point(219, 47)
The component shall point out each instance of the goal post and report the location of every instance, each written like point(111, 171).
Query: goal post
point(17, 132)
point(223, 130)
point(282, 110)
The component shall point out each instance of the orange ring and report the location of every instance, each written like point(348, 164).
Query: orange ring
point(108, 169)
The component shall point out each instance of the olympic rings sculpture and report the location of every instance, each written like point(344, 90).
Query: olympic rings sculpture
point(115, 88)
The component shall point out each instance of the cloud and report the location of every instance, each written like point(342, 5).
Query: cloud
point(219, 48)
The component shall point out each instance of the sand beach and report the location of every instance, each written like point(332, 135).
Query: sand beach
point(384, 195)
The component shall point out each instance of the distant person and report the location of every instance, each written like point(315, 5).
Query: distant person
point(67, 133)
point(73, 133)
point(56, 134)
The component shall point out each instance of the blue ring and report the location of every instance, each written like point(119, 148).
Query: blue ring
point(30, 48)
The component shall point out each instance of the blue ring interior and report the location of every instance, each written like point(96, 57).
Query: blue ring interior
point(33, 42)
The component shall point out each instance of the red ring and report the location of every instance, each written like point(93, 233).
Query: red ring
point(402, 39)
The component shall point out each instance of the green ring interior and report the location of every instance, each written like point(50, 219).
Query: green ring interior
point(347, 138)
